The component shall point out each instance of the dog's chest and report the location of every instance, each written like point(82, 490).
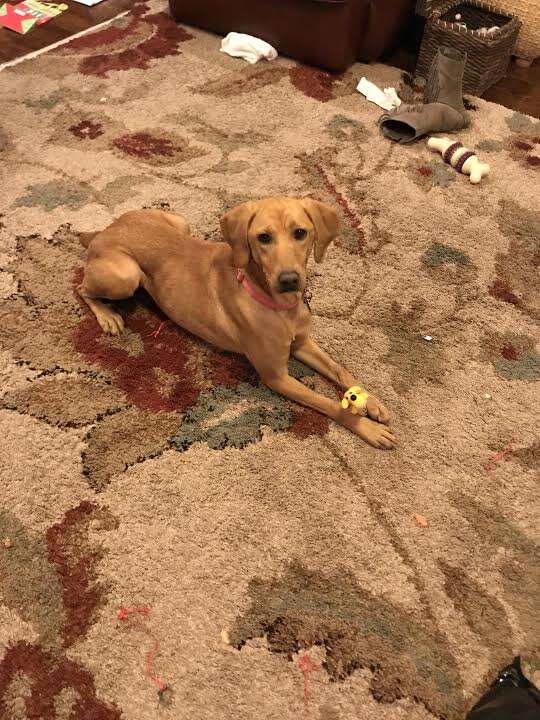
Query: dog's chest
point(295, 324)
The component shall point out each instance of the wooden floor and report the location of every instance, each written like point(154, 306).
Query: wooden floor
point(519, 90)
point(74, 20)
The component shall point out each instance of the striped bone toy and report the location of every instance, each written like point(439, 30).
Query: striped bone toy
point(460, 158)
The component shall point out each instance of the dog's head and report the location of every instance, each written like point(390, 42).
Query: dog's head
point(278, 234)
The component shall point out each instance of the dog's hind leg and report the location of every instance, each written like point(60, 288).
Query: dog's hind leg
point(115, 277)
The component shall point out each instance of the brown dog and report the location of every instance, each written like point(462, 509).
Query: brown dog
point(244, 296)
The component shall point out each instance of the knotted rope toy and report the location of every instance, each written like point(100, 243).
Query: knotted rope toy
point(355, 398)
point(460, 158)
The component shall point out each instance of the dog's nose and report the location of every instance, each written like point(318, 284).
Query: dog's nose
point(288, 282)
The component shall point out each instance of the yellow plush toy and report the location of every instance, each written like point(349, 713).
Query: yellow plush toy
point(356, 399)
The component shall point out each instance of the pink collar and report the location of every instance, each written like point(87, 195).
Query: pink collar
point(260, 297)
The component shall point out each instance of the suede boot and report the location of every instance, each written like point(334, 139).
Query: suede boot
point(443, 110)
point(445, 79)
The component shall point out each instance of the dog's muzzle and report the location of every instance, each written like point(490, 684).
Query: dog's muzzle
point(288, 282)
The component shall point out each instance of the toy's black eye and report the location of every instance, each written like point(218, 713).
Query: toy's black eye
point(353, 397)
point(264, 238)
point(300, 234)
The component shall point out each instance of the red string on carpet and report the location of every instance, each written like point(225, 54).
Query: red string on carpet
point(155, 333)
point(499, 456)
point(123, 614)
point(307, 667)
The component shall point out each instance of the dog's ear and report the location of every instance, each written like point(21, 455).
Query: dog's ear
point(326, 222)
point(234, 228)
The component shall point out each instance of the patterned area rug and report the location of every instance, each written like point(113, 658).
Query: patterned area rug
point(270, 565)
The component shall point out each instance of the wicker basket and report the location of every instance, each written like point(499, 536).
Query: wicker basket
point(487, 56)
point(426, 7)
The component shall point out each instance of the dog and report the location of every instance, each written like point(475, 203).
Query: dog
point(244, 295)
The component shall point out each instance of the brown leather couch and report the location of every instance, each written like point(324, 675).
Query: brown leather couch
point(331, 34)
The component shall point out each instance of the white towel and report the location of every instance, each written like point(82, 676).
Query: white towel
point(388, 99)
point(247, 47)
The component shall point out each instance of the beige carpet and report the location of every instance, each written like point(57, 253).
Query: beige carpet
point(280, 567)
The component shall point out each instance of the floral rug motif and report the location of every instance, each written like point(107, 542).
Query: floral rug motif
point(269, 564)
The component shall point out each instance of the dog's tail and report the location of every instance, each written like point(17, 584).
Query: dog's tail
point(85, 238)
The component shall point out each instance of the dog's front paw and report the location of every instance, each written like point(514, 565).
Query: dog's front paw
point(376, 410)
point(374, 433)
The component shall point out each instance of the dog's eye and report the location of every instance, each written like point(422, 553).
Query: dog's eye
point(264, 238)
point(300, 234)
point(353, 397)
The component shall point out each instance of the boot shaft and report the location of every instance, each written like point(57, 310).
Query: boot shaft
point(445, 80)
